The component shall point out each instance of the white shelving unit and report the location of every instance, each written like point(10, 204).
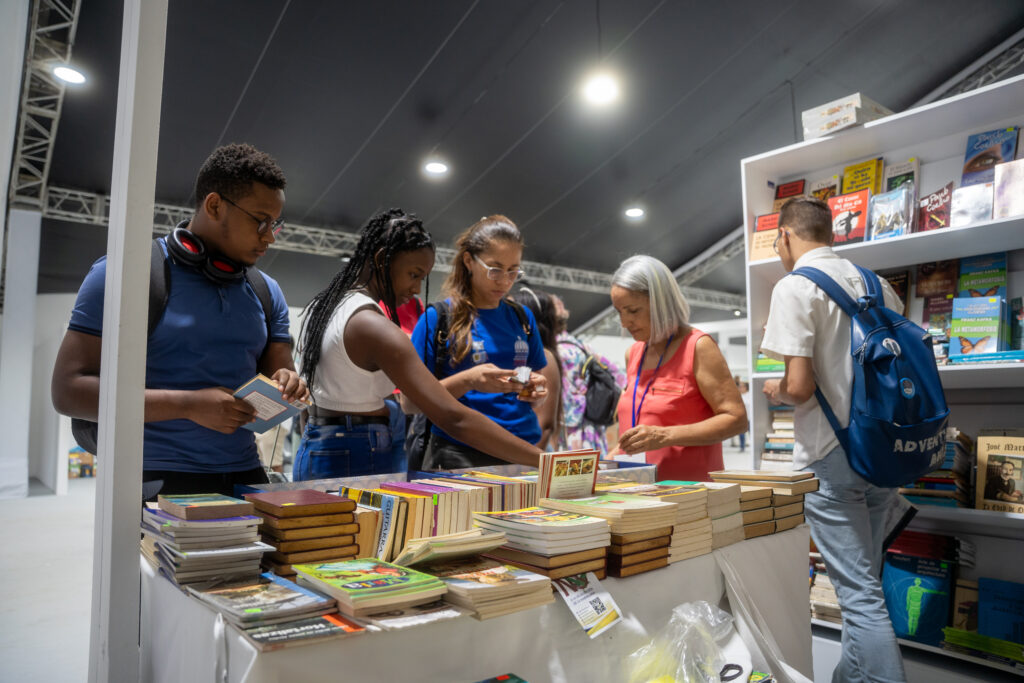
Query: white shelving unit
point(983, 395)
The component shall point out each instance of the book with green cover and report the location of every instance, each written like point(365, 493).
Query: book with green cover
point(370, 582)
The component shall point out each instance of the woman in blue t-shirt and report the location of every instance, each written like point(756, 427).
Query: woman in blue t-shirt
point(486, 340)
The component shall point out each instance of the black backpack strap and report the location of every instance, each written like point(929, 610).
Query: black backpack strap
point(521, 314)
point(440, 335)
point(159, 285)
point(259, 285)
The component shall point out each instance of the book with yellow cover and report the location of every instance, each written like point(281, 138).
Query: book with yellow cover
point(863, 175)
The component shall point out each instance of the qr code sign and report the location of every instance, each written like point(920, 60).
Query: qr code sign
point(597, 605)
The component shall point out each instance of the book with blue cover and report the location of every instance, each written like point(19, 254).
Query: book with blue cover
point(978, 326)
point(984, 151)
point(918, 591)
point(263, 394)
point(983, 275)
point(1001, 609)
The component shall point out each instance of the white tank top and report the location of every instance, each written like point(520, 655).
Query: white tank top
point(340, 384)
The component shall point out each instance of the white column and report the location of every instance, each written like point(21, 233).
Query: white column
point(114, 646)
point(16, 346)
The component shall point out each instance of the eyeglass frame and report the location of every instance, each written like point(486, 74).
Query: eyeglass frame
point(775, 244)
point(494, 273)
point(263, 225)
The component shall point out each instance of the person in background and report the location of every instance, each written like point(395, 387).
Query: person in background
point(745, 395)
point(211, 338)
point(680, 402)
point(487, 338)
point(851, 520)
point(549, 413)
point(354, 354)
point(577, 432)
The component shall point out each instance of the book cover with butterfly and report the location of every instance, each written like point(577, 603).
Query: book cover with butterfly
point(978, 326)
point(937, 278)
point(984, 151)
point(933, 209)
point(983, 276)
point(849, 216)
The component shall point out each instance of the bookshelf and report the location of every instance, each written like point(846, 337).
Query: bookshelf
point(979, 395)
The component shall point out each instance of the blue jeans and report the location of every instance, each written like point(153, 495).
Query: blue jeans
point(347, 450)
point(851, 522)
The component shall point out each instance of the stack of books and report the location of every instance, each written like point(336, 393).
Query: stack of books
point(641, 528)
point(777, 453)
point(788, 489)
point(489, 588)
point(824, 602)
point(202, 537)
point(946, 486)
point(788, 509)
point(368, 586)
point(305, 526)
point(549, 542)
point(272, 600)
point(757, 511)
point(724, 512)
point(462, 544)
point(691, 533)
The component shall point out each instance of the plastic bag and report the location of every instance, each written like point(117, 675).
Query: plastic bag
point(686, 650)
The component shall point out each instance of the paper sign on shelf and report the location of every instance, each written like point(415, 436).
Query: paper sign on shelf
point(593, 607)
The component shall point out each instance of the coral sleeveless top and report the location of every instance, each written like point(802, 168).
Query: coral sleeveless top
point(672, 399)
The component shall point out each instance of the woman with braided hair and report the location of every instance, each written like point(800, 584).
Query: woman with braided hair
point(482, 340)
point(353, 354)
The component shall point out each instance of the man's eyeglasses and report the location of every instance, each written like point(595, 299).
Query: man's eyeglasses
point(775, 244)
point(264, 225)
point(497, 273)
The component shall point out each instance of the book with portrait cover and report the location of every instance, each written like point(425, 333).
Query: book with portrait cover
point(1000, 484)
point(849, 216)
point(984, 151)
point(762, 242)
point(937, 278)
point(933, 209)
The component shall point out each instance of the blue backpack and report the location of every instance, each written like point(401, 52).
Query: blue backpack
point(898, 413)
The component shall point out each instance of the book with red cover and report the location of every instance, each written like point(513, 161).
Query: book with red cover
point(787, 191)
point(937, 278)
point(299, 503)
point(766, 229)
point(849, 216)
point(934, 209)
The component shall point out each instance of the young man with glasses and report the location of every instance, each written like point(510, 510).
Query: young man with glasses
point(213, 335)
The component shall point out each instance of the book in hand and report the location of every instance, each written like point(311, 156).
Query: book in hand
point(933, 209)
point(263, 394)
point(891, 214)
point(461, 544)
point(301, 632)
point(849, 216)
point(971, 204)
point(984, 152)
point(204, 506)
point(1009, 190)
point(365, 586)
point(299, 503)
point(271, 600)
point(568, 474)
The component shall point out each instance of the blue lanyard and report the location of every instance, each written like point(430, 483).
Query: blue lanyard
point(639, 369)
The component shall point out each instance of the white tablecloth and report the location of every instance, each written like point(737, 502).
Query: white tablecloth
point(765, 580)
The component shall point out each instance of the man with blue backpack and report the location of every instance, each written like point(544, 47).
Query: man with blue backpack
point(860, 377)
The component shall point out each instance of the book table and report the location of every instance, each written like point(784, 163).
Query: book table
point(764, 580)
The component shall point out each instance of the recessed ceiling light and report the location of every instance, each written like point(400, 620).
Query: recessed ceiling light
point(69, 75)
point(601, 89)
point(435, 167)
point(737, 313)
point(634, 212)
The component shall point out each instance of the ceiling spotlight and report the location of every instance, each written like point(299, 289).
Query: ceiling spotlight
point(435, 168)
point(634, 212)
point(601, 89)
point(69, 75)
point(737, 313)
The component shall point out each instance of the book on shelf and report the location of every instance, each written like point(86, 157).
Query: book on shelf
point(568, 474)
point(937, 278)
point(849, 216)
point(864, 175)
point(263, 394)
point(891, 214)
point(984, 152)
point(897, 175)
point(824, 188)
point(198, 506)
point(900, 283)
point(1001, 609)
point(982, 276)
point(1003, 652)
point(299, 503)
point(786, 191)
point(301, 632)
point(978, 325)
point(937, 313)
point(762, 241)
point(364, 586)
point(971, 204)
point(1000, 474)
point(934, 208)
point(1008, 198)
point(918, 593)
point(1017, 323)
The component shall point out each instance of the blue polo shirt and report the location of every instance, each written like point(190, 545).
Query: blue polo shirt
point(498, 338)
point(209, 336)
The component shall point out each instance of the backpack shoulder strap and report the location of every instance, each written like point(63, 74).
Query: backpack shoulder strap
point(440, 333)
point(259, 285)
point(829, 286)
point(871, 285)
point(521, 314)
point(159, 285)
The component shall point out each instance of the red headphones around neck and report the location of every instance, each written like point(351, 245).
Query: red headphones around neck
point(186, 248)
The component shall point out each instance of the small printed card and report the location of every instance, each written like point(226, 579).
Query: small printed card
point(592, 606)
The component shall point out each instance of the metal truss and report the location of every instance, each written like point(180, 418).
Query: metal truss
point(50, 37)
point(990, 72)
point(79, 206)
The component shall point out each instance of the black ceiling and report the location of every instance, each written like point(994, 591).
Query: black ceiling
point(351, 97)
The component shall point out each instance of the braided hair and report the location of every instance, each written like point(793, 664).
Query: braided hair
point(388, 233)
